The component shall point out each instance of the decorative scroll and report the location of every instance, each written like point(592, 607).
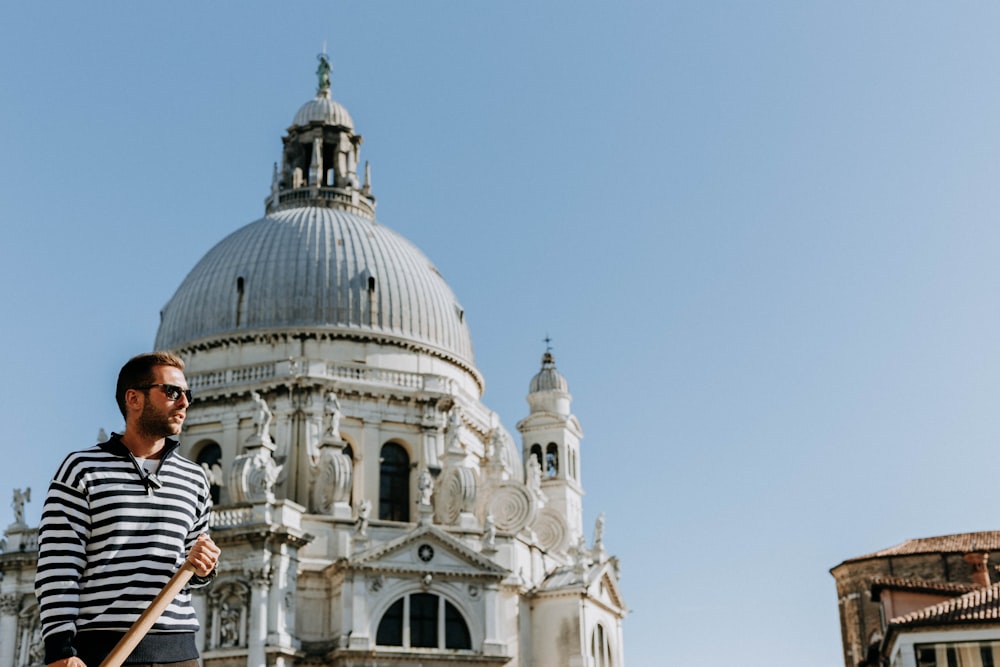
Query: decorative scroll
point(455, 493)
point(513, 507)
point(551, 529)
point(332, 481)
point(252, 476)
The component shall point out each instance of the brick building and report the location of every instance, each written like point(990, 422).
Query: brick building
point(904, 605)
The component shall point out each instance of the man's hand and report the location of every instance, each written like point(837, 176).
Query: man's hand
point(68, 662)
point(203, 556)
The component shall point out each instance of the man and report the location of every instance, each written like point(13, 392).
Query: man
point(116, 525)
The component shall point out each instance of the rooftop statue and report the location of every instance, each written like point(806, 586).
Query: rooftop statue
point(323, 73)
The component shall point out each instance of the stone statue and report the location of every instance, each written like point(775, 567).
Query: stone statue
point(454, 422)
point(489, 531)
point(213, 473)
point(20, 498)
point(534, 474)
point(262, 417)
point(426, 486)
point(364, 511)
point(229, 625)
point(333, 414)
point(599, 531)
point(323, 73)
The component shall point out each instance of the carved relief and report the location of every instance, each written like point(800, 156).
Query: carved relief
point(253, 475)
point(259, 575)
point(9, 605)
point(228, 608)
point(30, 647)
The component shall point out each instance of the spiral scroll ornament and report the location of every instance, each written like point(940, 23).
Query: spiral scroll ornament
point(455, 493)
point(512, 506)
point(332, 483)
point(550, 527)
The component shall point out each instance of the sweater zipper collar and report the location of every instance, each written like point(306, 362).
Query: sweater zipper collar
point(150, 480)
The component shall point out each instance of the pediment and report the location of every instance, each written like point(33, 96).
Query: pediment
point(599, 583)
point(604, 587)
point(427, 549)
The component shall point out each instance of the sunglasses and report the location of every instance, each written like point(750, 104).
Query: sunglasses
point(171, 391)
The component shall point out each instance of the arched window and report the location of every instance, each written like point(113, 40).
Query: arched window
point(210, 459)
point(551, 460)
point(600, 648)
point(390, 628)
point(423, 620)
point(394, 483)
point(536, 451)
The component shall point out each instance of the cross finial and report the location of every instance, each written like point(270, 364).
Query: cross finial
point(548, 341)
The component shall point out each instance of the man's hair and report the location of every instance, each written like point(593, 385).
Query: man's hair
point(138, 371)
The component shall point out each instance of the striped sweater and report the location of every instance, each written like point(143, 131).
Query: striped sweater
point(109, 540)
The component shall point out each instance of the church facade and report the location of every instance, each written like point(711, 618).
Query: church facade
point(371, 509)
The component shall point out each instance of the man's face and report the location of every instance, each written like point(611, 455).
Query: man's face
point(160, 416)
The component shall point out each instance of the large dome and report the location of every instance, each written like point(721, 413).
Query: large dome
point(322, 270)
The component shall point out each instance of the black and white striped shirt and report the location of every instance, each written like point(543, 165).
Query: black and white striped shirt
point(110, 538)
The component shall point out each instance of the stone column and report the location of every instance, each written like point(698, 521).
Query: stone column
point(281, 601)
point(260, 582)
point(369, 478)
point(8, 628)
point(361, 638)
point(492, 643)
point(229, 443)
point(316, 171)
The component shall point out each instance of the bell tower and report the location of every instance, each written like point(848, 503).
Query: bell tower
point(551, 440)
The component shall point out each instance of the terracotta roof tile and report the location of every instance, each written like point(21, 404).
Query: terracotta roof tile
point(919, 585)
point(960, 543)
point(982, 604)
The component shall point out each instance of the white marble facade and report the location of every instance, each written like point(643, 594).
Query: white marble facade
point(371, 509)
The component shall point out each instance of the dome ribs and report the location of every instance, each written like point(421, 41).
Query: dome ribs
point(311, 267)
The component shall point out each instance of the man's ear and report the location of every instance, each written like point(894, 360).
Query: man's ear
point(133, 400)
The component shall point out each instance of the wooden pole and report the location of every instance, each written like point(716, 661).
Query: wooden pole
point(146, 620)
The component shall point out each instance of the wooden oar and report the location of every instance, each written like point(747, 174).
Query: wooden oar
point(145, 621)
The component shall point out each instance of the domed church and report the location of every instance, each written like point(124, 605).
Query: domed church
point(372, 511)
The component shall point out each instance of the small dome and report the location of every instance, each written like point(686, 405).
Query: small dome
point(323, 109)
point(548, 379)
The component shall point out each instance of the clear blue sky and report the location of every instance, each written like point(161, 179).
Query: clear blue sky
point(763, 237)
